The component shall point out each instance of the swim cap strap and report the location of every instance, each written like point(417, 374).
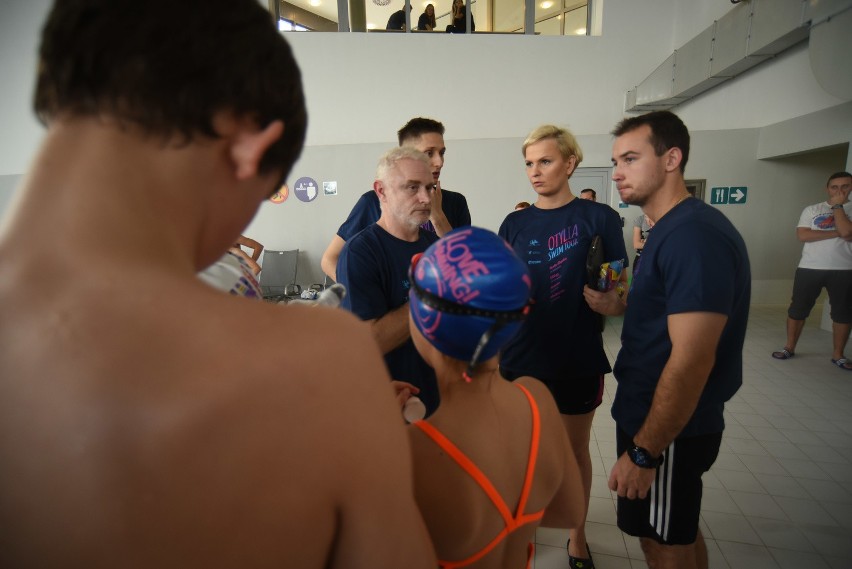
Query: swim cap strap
point(448, 306)
point(483, 341)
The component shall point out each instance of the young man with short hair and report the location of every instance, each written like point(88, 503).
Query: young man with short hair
point(682, 340)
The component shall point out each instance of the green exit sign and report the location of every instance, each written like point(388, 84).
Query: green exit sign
point(728, 195)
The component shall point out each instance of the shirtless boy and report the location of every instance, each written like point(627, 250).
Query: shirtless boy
point(147, 420)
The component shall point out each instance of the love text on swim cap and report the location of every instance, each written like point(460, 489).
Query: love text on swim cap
point(458, 266)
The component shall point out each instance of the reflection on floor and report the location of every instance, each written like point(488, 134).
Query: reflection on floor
point(780, 494)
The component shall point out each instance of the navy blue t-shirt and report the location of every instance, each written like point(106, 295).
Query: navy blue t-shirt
point(693, 261)
point(561, 337)
point(367, 211)
point(373, 267)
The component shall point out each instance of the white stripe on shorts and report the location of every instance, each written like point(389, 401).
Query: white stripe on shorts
point(661, 495)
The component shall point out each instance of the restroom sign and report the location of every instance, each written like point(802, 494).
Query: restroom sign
point(733, 195)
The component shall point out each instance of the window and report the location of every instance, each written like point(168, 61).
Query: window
point(552, 17)
point(288, 26)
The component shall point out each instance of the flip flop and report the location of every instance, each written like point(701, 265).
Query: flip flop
point(843, 363)
point(784, 354)
point(580, 562)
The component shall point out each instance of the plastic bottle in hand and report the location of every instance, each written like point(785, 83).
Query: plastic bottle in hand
point(413, 409)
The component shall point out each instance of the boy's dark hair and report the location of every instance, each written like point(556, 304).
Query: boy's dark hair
point(417, 127)
point(168, 66)
point(838, 175)
point(667, 131)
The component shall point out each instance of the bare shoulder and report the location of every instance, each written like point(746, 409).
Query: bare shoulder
point(326, 357)
point(541, 394)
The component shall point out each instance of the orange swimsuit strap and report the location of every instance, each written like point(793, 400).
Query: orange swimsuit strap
point(512, 522)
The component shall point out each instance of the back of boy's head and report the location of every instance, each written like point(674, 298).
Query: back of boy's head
point(167, 66)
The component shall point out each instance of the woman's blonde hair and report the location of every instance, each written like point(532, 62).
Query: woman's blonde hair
point(566, 142)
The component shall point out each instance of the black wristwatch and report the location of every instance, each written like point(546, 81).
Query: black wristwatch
point(837, 206)
point(642, 458)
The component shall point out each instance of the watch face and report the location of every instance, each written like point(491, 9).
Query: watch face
point(642, 459)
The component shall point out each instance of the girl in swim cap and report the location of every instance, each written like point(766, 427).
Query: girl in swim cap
point(492, 463)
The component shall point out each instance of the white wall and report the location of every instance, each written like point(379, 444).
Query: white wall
point(775, 91)
point(362, 87)
point(20, 24)
point(824, 128)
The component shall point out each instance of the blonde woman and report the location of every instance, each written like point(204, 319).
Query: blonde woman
point(560, 342)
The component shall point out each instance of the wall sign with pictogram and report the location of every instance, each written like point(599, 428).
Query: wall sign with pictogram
point(733, 195)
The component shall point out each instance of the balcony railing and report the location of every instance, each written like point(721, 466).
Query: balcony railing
point(540, 17)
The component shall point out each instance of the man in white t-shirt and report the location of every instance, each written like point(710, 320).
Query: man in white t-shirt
point(826, 230)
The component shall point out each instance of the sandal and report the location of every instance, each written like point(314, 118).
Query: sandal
point(784, 354)
point(843, 363)
point(580, 562)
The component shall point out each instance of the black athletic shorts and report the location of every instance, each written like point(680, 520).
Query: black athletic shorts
point(807, 285)
point(573, 395)
point(669, 513)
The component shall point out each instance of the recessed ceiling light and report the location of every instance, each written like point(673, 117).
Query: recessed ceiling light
point(546, 4)
point(371, 26)
point(314, 2)
point(580, 31)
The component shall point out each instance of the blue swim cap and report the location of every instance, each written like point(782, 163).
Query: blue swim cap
point(469, 294)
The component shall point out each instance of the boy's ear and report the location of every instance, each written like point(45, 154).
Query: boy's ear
point(248, 146)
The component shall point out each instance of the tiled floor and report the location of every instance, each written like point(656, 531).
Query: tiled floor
point(780, 493)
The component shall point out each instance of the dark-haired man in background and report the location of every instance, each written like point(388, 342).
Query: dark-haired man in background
point(397, 19)
point(589, 194)
point(682, 339)
point(131, 432)
point(826, 231)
